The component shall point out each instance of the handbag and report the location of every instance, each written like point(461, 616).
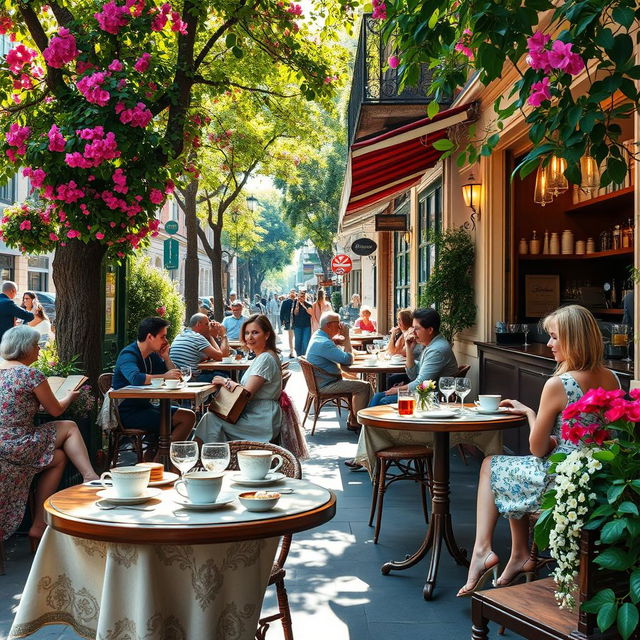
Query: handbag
point(229, 405)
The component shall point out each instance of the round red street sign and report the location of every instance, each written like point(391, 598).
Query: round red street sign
point(341, 264)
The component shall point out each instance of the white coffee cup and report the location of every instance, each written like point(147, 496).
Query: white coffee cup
point(128, 482)
point(228, 359)
point(202, 487)
point(156, 382)
point(171, 384)
point(255, 464)
point(488, 402)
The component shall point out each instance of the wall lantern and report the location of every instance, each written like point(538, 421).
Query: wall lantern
point(590, 174)
point(472, 193)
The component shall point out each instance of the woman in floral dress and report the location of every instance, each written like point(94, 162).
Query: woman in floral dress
point(27, 448)
point(513, 485)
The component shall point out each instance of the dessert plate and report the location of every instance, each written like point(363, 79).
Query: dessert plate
point(438, 414)
point(110, 496)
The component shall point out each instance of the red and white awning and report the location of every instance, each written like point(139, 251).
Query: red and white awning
point(383, 167)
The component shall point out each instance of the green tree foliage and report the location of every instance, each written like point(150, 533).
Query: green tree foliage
point(456, 39)
point(450, 285)
point(152, 293)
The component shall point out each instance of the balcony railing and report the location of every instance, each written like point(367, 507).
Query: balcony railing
point(373, 81)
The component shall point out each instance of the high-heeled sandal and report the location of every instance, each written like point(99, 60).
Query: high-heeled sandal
point(517, 577)
point(482, 578)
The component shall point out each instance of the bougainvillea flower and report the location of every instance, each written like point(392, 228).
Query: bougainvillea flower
point(539, 93)
point(61, 50)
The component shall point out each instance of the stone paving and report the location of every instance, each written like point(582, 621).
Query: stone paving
point(334, 582)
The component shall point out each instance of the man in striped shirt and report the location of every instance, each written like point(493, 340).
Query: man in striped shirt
point(197, 343)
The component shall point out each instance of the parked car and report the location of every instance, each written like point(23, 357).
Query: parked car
point(48, 302)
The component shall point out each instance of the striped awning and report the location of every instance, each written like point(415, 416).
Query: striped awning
point(383, 167)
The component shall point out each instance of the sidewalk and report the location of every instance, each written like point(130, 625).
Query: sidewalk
point(333, 581)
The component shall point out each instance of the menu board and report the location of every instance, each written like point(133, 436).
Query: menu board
point(541, 295)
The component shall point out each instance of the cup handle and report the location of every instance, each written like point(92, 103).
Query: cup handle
point(177, 485)
point(103, 477)
point(476, 402)
point(280, 461)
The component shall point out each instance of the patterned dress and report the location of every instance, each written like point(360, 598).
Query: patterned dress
point(519, 482)
point(25, 449)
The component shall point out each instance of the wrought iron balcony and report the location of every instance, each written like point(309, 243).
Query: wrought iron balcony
point(374, 83)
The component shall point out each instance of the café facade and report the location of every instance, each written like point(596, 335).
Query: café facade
point(535, 248)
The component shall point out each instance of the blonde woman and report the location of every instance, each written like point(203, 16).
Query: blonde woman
point(513, 485)
point(320, 306)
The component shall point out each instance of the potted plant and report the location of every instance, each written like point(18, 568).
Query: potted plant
point(597, 486)
point(450, 284)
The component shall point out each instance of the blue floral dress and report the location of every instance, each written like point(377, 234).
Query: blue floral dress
point(519, 482)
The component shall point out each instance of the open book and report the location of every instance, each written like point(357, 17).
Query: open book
point(62, 386)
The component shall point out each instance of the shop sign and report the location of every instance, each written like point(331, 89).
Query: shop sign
point(171, 254)
point(341, 264)
point(171, 227)
point(386, 222)
point(326, 283)
point(364, 246)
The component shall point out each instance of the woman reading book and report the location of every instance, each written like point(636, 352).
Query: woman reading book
point(27, 449)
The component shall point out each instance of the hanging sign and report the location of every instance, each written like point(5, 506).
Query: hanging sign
point(171, 254)
point(364, 246)
point(385, 222)
point(341, 264)
point(171, 227)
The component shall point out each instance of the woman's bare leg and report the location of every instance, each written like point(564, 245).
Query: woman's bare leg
point(519, 560)
point(482, 556)
point(69, 438)
point(47, 484)
point(183, 423)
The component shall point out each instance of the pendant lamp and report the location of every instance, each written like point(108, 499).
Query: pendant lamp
point(590, 174)
point(556, 180)
point(541, 194)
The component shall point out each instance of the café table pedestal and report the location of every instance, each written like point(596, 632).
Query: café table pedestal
point(440, 527)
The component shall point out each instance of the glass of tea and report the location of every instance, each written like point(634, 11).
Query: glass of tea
point(406, 402)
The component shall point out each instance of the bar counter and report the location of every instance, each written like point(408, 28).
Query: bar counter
point(519, 372)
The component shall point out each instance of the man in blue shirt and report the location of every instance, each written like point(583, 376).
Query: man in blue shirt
point(324, 353)
point(9, 310)
point(138, 364)
point(233, 323)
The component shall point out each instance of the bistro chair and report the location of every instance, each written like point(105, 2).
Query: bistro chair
point(315, 395)
point(409, 462)
point(292, 469)
point(120, 434)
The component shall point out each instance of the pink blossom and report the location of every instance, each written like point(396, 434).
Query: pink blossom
point(17, 136)
point(561, 57)
point(136, 7)
point(394, 62)
point(294, 9)
point(120, 180)
point(379, 10)
point(69, 192)
point(73, 234)
point(142, 64)
point(18, 57)
point(139, 116)
point(61, 50)
point(6, 25)
point(56, 141)
point(53, 237)
point(91, 88)
point(76, 159)
point(82, 66)
point(156, 196)
point(25, 225)
point(169, 186)
point(116, 65)
point(112, 17)
point(159, 21)
point(538, 57)
point(178, 25)
point(99, 235)
point(97, 133)
point(539, 92)
point(36, 176)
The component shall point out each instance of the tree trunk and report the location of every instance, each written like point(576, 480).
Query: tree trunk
point(216, 264)
point(191, 263)
point(77, 274)
point(325, 256)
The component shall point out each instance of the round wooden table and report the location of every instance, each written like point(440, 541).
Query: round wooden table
point(357, 339)
point(381, 370)
point(440, 527)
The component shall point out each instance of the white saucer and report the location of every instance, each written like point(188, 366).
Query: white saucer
point(438, 414)
point(107, 494)
point(222, 501)
point(271, 478)
point(167, 478)
point(488, 412)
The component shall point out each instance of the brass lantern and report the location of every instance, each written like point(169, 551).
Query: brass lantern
point(556, 180)
point(590, 174)
point(541, 194)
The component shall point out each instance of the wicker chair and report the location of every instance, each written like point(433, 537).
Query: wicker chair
point(117, 435)
point(292, 469)
point(316, 397)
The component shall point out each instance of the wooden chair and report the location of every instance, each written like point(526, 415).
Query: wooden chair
point(531, 610)
point(120, 433)
point(316, 397)
point(292, 469)
point(286, 376)
point(413, 462)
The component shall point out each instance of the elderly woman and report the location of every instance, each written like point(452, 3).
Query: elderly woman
point(262, 417)
point(364, 322)
point(26, 448)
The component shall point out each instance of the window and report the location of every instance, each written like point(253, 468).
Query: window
point(8, 191)
point(175, 210)
point(402, 265)
point(38, 273)
point(7, 267)
point(429, 220)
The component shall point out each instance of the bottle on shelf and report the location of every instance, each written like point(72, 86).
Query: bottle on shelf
point(524, 247)
point(616, 237)
point(534, 245)
point(626, 236)
point(591, 245)
point(554, 244)
point(614, 293)
point(567, 242)
point(545, 244)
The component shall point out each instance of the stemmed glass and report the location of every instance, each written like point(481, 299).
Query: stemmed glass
point(215, 456)
point(463, 389)
point(525, 329)
point(447, 386)
point(185, 372)
point(184, 455)
point(626, 330)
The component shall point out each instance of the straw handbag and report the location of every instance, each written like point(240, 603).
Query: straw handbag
point(229, 405)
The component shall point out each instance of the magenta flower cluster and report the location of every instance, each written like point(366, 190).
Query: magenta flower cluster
point(557, 58)
point(62, 49)
point(90, 87)
point(379, 10)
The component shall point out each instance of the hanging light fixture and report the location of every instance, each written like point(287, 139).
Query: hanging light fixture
point(471, 193)
point(590, 174)
point(556, 180)
point(541, 194)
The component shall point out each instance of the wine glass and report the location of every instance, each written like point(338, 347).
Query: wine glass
point(447, 386)
point(463, 389)
point(215, 456)
point(184, 455)
point(525, 329)
point(185, 372)
point(625, 330)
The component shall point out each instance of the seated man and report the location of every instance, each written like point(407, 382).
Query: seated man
point(197, 343)
point(436, 359)
point(324, 353)
point(233, 323)
point(137, 364)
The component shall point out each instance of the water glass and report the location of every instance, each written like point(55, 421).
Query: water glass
point(215, 456)
point(185, 372)
point(463, 389)
point(184, 455)
point(447, 386)
point(525, 329)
